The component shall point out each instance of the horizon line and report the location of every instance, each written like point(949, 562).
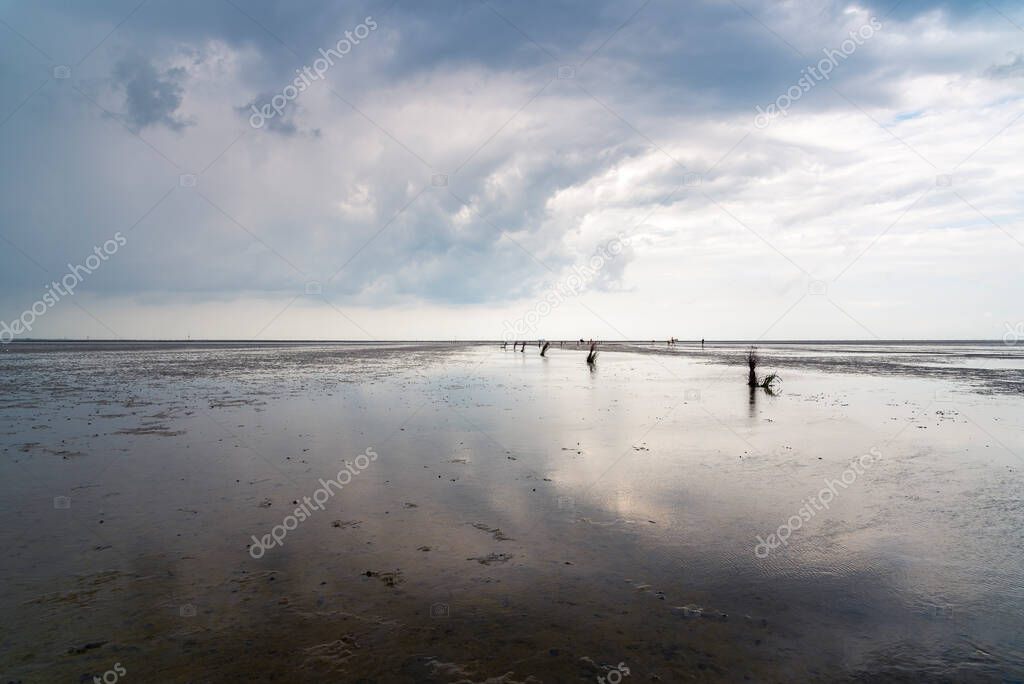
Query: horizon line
point(904, 340)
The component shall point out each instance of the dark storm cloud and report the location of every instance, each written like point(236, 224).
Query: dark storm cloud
point(152, 97)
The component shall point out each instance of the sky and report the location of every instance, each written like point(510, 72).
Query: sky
point(490, 169)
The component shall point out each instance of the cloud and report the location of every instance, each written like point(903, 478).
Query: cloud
point(1012, 69)
point(541, 170)
point(282, 122)
point(152, 97)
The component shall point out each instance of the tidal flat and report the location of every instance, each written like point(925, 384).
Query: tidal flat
point(521, 519)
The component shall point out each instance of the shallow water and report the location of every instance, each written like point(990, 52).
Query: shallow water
point(526, 519)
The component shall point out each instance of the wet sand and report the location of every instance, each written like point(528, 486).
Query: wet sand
point(525, 519)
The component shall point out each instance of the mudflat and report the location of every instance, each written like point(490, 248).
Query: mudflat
point(424, 512)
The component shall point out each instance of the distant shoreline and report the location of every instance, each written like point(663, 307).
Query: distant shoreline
point(647, 341)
